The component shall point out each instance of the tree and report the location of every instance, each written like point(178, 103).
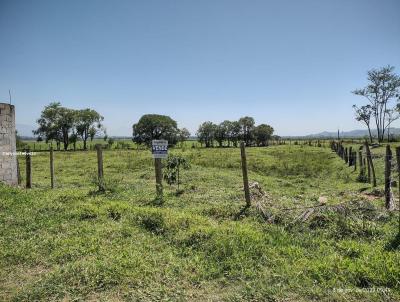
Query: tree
point(66, 122)
point(234, 130)
point(92, 133)
point(173, 165)
point(276, 138)
point(184, 134)
point(363, 114)
point(221, 133)
point(48, 124)
point(206, 134)
point(383, 87)
point(154, 126)
point(392, 115)
point(55, 123)
point(73, 139)
point(88, 121)
point(262, 134)
point(247, 127)
point(227, 127)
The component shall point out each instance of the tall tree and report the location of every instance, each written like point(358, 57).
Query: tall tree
point(247, 127)
point(262, 134)
point(392, 115)
point(55, 123)
point(206, 133)
point(221, 133)
point(383, 87)
point(234, 131)
point(154, 126)
point(184, 134)
point(363, 114)
point(227, 126)
point(92, 133)
point(66, 122)
point(86, 120)
point(73, 138)
point(48, 124)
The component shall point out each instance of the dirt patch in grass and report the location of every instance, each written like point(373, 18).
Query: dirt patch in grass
point(15, 278)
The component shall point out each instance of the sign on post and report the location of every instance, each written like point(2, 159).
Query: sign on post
point(159, 148)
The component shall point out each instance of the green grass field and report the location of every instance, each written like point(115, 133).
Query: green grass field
point(74, 243)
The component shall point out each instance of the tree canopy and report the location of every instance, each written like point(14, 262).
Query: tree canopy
point(88, 124)
point(262, 134)
point(63, 125)
point(383, 88)
point(154, 126)
point(230, 132)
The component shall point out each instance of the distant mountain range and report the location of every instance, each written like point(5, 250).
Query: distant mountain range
point(350, 134)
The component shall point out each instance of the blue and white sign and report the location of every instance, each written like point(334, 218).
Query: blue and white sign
point(159, 148)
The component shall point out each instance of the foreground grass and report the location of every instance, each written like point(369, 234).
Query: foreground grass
point(73, 243)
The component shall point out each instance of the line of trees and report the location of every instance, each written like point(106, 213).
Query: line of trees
point(229, 133)
point(383, 98)
point(66, 125)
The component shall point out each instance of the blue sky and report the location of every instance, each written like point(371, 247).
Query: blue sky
point(291, 64)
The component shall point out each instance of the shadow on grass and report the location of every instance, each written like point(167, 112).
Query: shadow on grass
point(394, 244)
point(157, 201)
point(93, 193)
point(242, 213)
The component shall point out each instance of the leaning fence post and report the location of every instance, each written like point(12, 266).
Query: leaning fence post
point(28, 163)
point(245, 176)
point(52, 167)
point(100, 175)
point(388, 189)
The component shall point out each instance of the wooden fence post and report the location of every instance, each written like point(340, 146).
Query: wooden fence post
point(346, 155)
point(398, 171)
point(361, 176)
point(388, 188)
point(354, 160)
point(369, 171)
point(18, 172)
point(28, 162)
point(52, 167)
point(244, 172)
point(100, 175)
point(370, 164)
point(158, 171)
point(350, 160)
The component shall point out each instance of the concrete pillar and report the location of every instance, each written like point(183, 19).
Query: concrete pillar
point(8, 158)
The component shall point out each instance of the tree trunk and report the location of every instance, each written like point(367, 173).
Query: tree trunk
point(370, 135)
